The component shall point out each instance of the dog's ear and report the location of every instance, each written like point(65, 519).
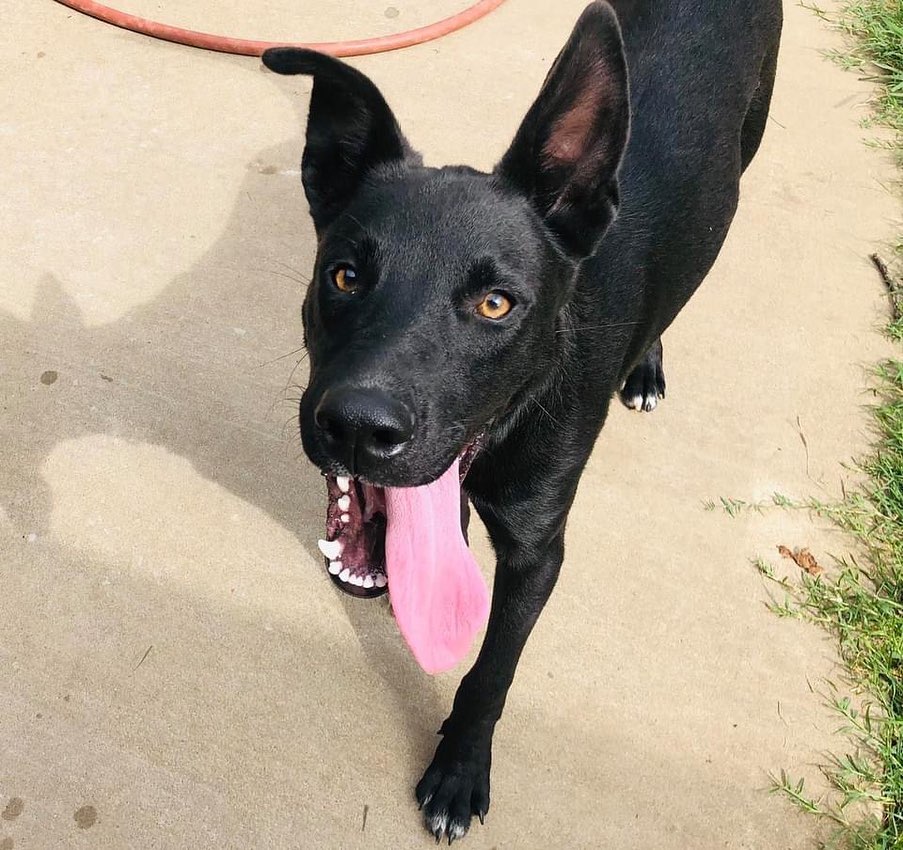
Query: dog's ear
point(350, 130)
point(566, 153)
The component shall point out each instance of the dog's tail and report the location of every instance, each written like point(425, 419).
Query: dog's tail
point(298, 60)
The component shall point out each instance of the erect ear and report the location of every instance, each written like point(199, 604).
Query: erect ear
point(566, 153)
point(350, 130)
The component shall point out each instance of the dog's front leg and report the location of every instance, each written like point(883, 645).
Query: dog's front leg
point(456, 785)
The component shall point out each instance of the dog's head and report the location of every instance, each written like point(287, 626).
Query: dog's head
point(436, 293)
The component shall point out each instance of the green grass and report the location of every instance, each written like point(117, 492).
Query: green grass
point(860, 600)
point(861, 604)
point(876, 31)
point(875, 49)
point(875, 45)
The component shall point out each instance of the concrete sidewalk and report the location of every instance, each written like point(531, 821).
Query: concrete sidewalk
point(177, 670)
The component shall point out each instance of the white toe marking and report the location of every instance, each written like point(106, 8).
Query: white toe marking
point(636, 403)
point(335, 567)
point(438, 822)
point(345, 518)
point(343, 483)
point(345, 574)
point(368, 582)
point(344, 503)
point(331, 549)
point(650, 404)
point(380, 580)
point(456, 830)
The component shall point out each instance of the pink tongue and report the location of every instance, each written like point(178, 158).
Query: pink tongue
point(438, 594)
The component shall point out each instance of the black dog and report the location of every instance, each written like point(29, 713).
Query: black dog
point(499, 313)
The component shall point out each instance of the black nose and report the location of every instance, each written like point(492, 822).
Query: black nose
point(363, 426)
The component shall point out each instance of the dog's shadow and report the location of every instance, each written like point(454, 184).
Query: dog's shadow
point(221, 344)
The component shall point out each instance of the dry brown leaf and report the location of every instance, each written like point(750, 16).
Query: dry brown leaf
point(807, 562)
point(803, 558)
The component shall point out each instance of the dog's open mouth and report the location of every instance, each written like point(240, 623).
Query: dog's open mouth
point(408, 540)
point(356, 521)
point(355, 544)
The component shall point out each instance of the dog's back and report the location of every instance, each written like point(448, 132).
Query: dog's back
point(701, 74)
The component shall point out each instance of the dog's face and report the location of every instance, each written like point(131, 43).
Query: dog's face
point(436, 295)
point(433, 291)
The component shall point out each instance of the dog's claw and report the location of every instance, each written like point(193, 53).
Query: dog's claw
point(482, 817)
point(452, 791)
point(645, 385)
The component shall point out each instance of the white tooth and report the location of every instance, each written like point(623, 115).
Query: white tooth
point(344, 503)
point(357, 580)
point(345, 574)
point(380, 580)
point(368, 582)
point(345, 518)
point(343, 483)
point(335, 567)
point(331, 549)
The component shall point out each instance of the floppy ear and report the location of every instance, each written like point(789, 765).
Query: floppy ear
point(350, 130)
point(566, 154)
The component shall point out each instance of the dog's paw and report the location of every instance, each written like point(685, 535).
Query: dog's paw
point(454, 788)
point(644, 386)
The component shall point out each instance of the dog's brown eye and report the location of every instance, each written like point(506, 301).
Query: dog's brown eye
point(495, 305)
point(345, 279)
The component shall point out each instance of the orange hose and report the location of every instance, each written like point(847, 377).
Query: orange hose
point(246, 47)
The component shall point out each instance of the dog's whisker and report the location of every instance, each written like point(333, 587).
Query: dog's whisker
point(537, 402)
point(302, 278)
point(288, 383)
point(292, 399)
point(352, 242)
point(289, 421)
point(596, 327)
point(282, 357)
point(285, 275)
point(283, 397)
point(357, 221)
